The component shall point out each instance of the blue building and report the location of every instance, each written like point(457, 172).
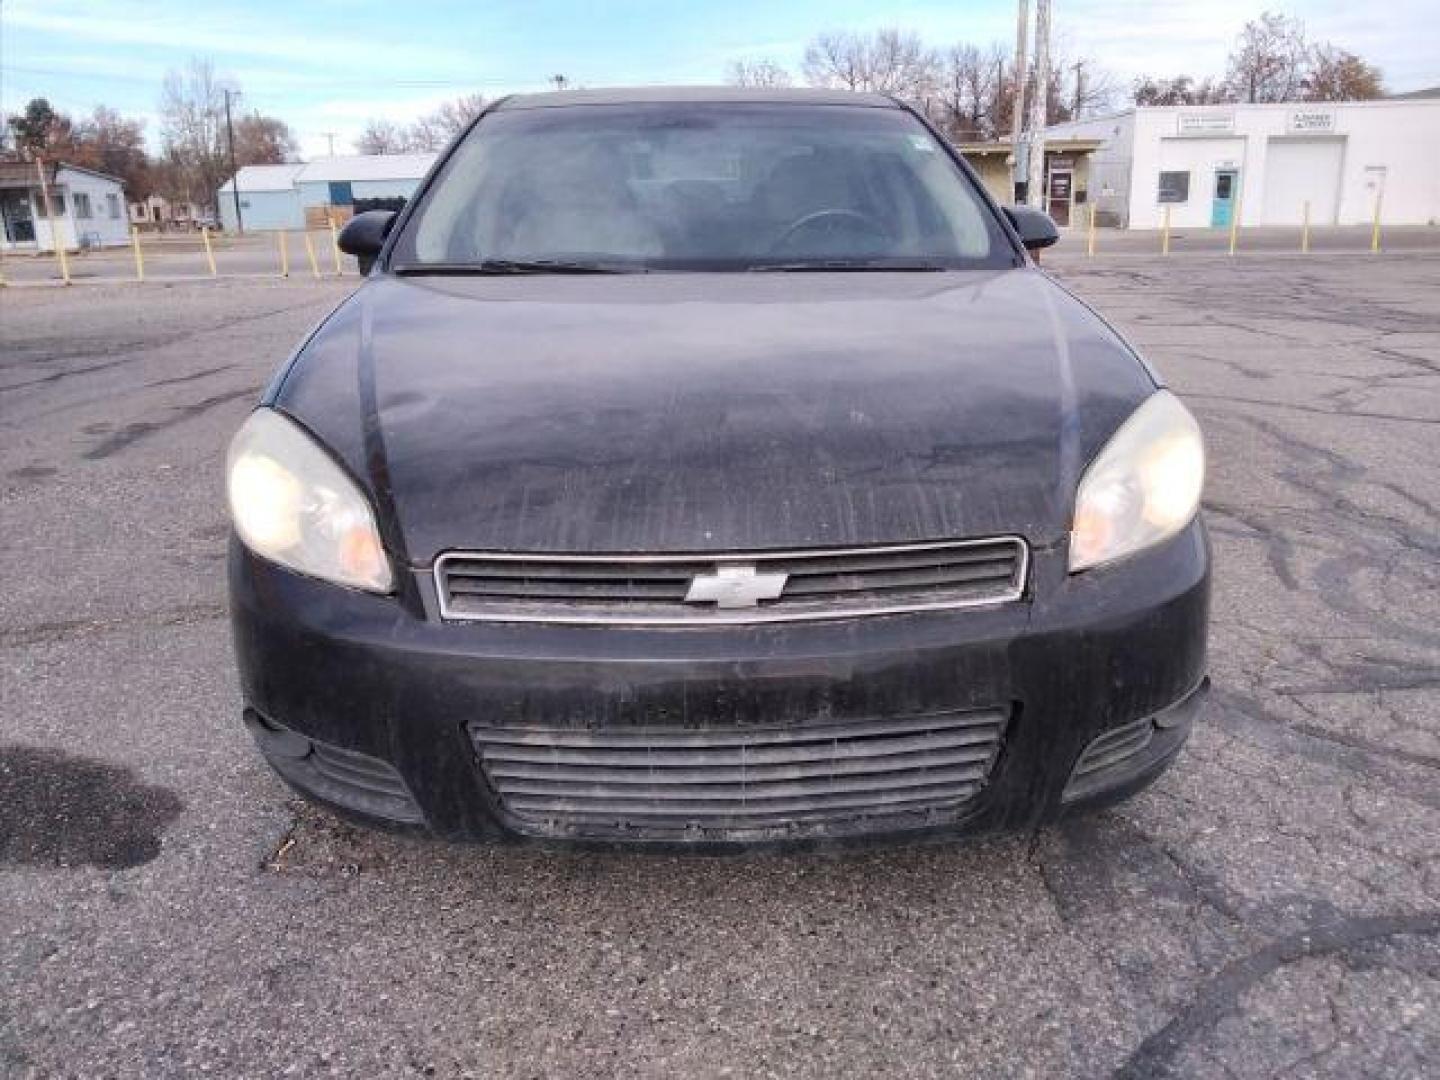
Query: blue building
point(311, 195)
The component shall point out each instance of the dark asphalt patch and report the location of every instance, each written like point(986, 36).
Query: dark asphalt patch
point(140, 429)
point(60, 810)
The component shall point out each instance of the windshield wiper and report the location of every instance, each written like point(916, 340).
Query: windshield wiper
point(851, 265)
point(518, 266)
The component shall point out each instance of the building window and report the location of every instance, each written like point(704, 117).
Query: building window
point(57, 202)
point(1174, 187)
point(112, 204)
point(82, 205)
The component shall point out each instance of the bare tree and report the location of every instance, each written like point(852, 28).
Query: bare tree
point(192, 123)
point(1179, 90)
point(756, 73)
point(1092, 90)
point(435, 130)
point(1339, 75)
point(382, 137)
point(835, 60)
point(263, 140)
point(113, 144)
point(969, 92)
point(1270, 61)
point(886, 62)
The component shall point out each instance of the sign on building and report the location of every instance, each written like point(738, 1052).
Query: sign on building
point(1213, 123)
point(1312, 121)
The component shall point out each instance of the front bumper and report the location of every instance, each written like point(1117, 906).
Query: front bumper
point(345, 688)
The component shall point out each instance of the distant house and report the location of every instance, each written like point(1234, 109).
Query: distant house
point(160, 214)
point(322, 191)
point(87, 208)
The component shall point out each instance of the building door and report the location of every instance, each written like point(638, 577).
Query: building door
point(1061, 182)
point(1222, 206)
point(15, 213)
point(1374, 190)
point(1301, 171)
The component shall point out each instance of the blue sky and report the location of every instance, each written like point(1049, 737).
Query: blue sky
point(328, 65)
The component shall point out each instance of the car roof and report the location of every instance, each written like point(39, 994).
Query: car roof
point(687, 95)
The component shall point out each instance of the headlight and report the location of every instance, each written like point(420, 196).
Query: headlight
point(1144, 487)
point(293, 505)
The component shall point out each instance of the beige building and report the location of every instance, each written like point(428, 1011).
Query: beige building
point(1067, 174)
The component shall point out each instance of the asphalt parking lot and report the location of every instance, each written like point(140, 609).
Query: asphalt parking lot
point(177, 257)
point(1270, 907)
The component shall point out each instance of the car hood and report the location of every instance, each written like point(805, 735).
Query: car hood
point(713, 412)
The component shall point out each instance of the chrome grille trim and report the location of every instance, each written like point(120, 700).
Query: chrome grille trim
point(668, 575)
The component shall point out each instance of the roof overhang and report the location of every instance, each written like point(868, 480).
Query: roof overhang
point(1052, 146)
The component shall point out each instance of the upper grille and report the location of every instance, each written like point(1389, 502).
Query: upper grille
point(739, 783)
point(652, 589)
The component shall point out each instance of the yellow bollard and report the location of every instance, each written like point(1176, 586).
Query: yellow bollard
point(1305, 229)
point(1375, 227)
point(1090, 238)
point(310, 254)
point(60, 251)
point(284, 253)
point(209, 251)
point(335, 246)
point(139, 256)
point(1235, 224)
point(1165, 234)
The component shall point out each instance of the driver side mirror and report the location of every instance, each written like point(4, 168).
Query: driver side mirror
point(1035, 227)
point(364, 235)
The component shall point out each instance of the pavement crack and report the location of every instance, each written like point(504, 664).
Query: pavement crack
point(1221, 994)
point(63, 630)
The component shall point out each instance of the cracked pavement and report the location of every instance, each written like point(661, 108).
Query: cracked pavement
point(1271, 907)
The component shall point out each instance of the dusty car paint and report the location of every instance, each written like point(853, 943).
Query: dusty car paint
point(696, 412)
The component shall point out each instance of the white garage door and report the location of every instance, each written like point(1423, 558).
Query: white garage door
point(1296, 171)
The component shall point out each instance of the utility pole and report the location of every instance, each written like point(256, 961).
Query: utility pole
point(330, 140)
point(234, 170)
point(1035, 180)
point(1079, 68)
point(1017, 106)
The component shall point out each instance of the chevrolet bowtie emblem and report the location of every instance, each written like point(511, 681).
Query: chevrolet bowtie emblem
point(734, 587)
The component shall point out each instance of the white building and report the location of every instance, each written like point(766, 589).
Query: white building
point(1266, 163)
point(322, 191)
point(268, 198)
point(87, 208)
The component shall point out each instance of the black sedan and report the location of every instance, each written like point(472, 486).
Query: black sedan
point(706, 468)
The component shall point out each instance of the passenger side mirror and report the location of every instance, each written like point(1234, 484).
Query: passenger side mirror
point(1035, 227)
point(364, 235)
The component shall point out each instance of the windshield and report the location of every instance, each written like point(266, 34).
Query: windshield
point(701, 187)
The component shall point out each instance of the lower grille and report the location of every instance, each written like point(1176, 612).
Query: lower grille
point(741, 784)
